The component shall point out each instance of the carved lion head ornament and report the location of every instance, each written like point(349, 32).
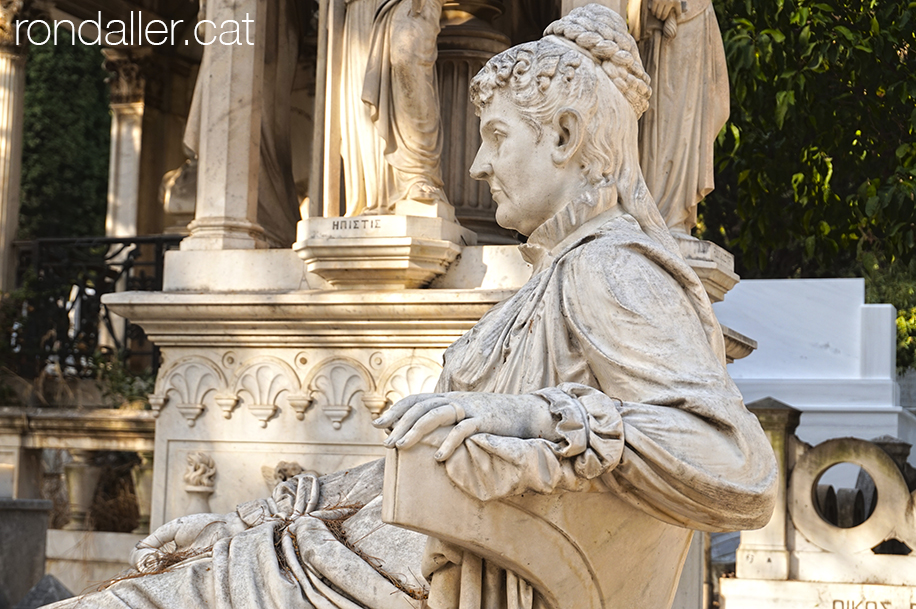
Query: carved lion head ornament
point(587, 61)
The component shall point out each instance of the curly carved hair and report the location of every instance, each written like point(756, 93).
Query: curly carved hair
point(587, 61)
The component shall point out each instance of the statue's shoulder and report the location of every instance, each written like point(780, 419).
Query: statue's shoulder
point(620, 258)
point(618, 243)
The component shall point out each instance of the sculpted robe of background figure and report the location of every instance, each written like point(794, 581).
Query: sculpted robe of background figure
point(682, 51)
point(390, 125)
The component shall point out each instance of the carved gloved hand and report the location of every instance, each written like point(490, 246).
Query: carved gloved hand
point(182, 536)
point(414, 417)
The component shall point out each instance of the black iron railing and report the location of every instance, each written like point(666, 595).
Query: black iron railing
point(60, 319)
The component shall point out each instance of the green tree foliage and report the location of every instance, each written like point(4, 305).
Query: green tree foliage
point(65, 142)
point(896, 284)
point(817, 165)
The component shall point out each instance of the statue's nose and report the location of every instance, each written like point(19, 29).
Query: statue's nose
point(481, 168)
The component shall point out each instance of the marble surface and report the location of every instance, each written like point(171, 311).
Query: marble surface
point(680, 44)
point(633, 402)
point(823, 351)
point(390, 125)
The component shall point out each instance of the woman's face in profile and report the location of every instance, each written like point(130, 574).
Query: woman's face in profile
point(518, 165)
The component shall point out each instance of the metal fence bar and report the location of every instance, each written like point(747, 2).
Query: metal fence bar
point(64, 322)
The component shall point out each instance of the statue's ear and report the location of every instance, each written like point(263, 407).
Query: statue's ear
point(570, 133)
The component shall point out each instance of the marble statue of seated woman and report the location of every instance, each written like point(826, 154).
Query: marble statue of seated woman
point(588, 420)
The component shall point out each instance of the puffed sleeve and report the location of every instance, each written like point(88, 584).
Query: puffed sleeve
point(658, 420)
point(692, 454)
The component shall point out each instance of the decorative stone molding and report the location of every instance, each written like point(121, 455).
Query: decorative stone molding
point(200, 481)
point(156, 402)
point(260, 385)
point(128, 83)
point(299, 402)
point(380, 252)
point(811, 553)
point(714, 266)
point(414, 376)
point(337, 388)
point(227, 403)
point(187, 385)
point(886, 522)
point(281, 472)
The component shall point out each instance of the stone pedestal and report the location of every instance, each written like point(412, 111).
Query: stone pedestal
point(12, 90)
point(256, 378)
point(380, 252)
point(264, 362)
point(23, 531)
point(714, 265)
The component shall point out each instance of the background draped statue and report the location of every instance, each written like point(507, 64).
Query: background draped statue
point(390, 125)
point(596, 396)
point(682, 51)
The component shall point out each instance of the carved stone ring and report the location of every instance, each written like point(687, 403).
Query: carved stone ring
point(459, 412)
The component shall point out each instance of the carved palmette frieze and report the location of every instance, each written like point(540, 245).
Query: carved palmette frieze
point(227, 403)
point(185, 386)
point(409, 378)
point(338, 388)
point(266, 385)
point(261, 384)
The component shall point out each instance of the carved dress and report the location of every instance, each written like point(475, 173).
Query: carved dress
point(390, 127)
point(688, 107)
point(616, 334)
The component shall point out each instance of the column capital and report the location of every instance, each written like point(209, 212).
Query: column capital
point(127, 80)
point(10, 11)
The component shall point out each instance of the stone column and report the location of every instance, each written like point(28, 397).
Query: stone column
point(12, 90)
point(466, 42)
point(763, 553)
point(230, 132)
point(142, 475)
point(127, 88)
point(82, 480)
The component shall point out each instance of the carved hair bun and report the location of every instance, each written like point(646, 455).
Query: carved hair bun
point(602, 34)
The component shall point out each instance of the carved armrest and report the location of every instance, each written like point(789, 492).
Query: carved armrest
point(582, 550)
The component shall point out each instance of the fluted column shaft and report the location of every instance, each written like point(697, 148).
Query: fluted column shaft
point(12, 90)
point(127, 104)
point(466, 43)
